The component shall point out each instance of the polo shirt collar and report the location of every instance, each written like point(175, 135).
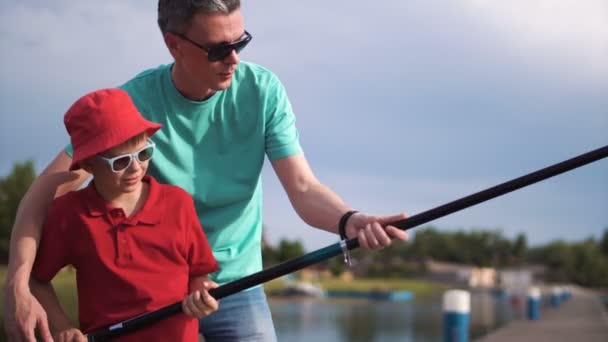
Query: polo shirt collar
point(150, 212)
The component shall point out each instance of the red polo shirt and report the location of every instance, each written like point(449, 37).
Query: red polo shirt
point(127, 266)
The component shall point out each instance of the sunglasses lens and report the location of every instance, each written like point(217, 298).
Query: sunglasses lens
point(218, 53)
point(145, 154)
point(121, 163)
point(238, 46)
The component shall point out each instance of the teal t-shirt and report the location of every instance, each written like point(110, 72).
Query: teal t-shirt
point(214, 149)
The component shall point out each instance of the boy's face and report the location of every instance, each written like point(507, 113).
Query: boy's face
point(124, 181)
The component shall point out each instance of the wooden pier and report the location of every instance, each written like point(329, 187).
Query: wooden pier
point(581, 318)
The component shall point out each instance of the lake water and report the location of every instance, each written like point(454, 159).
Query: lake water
point(320, 320)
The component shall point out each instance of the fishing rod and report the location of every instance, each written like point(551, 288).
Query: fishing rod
point(344, 246)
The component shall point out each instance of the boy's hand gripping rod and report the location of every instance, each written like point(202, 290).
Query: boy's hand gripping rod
point(344, 246)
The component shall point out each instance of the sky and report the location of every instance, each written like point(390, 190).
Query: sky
point(401, 106)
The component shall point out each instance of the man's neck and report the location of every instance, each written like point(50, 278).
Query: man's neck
point(187, 87)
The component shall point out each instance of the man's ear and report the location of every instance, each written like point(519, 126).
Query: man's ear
point(172, 43)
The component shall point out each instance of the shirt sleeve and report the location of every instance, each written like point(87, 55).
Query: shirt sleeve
point(69, 150)
point(52, 254)
point(282, 137)
point(199, 254)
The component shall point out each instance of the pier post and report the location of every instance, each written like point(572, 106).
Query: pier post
point(533, 303)
point(456, 315)
point(556, 296)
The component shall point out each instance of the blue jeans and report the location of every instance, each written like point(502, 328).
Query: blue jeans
point(243, 316)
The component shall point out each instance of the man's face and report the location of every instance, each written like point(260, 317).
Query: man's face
point(208, 31)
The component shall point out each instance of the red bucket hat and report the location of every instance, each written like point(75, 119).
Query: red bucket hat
point(101, 120)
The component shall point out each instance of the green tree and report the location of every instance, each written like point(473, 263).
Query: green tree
point(520, 247)
point(289, 250)
point(588, 267)
point(604, 243)
point(269, 253)
point(286, 250)
point(335, 265)
point(12, 189)
point(558, 257)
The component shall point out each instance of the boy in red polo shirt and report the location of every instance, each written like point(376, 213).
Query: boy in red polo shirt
point(136, 245)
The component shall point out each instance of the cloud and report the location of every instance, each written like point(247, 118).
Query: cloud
point(76, 43)
point(572, 35)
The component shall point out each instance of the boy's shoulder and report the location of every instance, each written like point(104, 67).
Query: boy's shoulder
point(169, 191)
point(172, 190)
point(70, 198)
point(68, 205)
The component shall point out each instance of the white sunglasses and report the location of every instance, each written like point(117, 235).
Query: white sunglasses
point(122, 162)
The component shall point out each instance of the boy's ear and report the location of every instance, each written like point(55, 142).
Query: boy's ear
point(87, 165)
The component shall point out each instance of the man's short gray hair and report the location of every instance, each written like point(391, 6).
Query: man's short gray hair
point(176, 15)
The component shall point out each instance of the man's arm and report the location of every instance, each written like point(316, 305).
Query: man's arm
point(58, 319)
point(320, 207)
point(22, 312)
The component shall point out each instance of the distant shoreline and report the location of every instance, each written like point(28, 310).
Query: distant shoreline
point(420, 288)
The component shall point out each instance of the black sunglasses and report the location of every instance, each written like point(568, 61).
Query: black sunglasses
point(217, 52)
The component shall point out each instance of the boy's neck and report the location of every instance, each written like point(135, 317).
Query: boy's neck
point(130, 202)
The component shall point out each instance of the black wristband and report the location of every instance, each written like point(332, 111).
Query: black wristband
point(342, 224)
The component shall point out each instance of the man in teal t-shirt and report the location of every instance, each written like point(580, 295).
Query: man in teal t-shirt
point(220, 118)
point(215, 149)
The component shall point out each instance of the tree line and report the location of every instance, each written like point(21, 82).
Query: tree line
point(584, 263)
point(12, 189)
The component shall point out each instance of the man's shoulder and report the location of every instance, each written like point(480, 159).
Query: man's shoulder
point(253, 71)
point(253, 67)
point(145, 77)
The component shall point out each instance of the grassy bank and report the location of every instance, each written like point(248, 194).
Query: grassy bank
point(420, 288)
